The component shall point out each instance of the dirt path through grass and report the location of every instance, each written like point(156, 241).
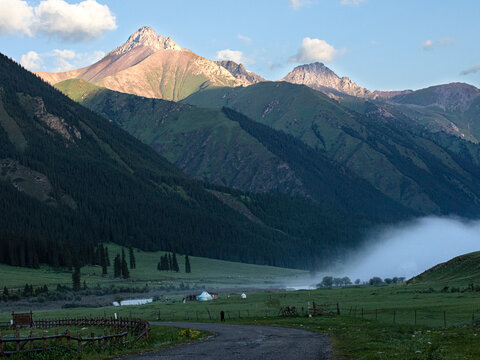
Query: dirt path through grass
point(245, 342)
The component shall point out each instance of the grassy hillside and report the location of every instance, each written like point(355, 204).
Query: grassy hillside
point(208, 272)
point(407, 166)
point(457, 272)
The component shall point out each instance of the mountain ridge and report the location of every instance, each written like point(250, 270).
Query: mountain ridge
point(150, 65)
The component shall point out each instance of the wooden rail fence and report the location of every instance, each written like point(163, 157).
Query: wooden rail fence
point(116, 331)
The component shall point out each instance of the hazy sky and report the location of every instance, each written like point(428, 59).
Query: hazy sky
point(380, 44)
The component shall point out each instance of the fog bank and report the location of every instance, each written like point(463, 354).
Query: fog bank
point(407, 249)
point(410, 248)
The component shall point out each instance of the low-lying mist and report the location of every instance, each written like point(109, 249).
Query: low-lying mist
point(407, 249)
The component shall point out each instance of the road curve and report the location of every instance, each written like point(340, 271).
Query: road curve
point(245, 342)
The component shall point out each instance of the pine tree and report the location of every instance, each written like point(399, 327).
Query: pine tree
point(188, 269)
point(170, 262)
point(175, 263)
point(133, 264)
point(103, 260)
point(107, 257)
point(117, 266)
point(5, 291)
point(76, 277)
point(125, 272)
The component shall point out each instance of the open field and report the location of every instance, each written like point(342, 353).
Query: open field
point(205, 272)
point(434, 316)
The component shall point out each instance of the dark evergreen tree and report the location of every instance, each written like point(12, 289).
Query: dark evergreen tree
point(107, 257)
point(117, 266)
point(133, 264)
point(103, 260)
point(125, 272)
point(76, 277)
point(170, 262)
point(188, 269)
point(175, 263)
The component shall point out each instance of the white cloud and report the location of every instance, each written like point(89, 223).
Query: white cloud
point(244, 38)
point(31, 61)
point(352, 2)
point(472, 70)
point(83, 21)
point(15, 16)
point(315, 50)
point(233, 55)
point(431, 44)
point(297, 4)
point(59, 60)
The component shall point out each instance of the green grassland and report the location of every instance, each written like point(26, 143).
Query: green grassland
point(205, 272)
point(402, 321)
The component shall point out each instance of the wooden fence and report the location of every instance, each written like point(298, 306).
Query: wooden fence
point(116, 331)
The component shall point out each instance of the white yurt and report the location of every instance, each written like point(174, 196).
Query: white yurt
point(205, 296)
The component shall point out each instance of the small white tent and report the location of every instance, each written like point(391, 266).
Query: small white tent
point(205, 296)
point(243, 296)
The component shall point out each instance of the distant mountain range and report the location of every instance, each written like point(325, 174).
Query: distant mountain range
point(69, 175)
point(277, 163)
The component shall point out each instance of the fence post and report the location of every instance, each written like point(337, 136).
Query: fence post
point(30, 335)
point(67, 334)
point(415, 316)
point(338, 308)
point(17, 335)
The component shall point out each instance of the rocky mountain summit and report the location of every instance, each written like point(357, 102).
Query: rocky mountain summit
point(146, 36)
point(152, 66)
point(320, 77)
point(240, 73)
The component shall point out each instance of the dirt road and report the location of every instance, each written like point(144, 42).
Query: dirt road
point(245, 342)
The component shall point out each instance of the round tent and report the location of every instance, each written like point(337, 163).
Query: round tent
point(205, 296)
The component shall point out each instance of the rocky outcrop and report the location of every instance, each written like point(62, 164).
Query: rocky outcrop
point(55, 123)
point(147, 37)
point(319, 77)
point(240, 73)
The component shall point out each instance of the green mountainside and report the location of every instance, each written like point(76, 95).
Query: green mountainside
point(417, 170)
point(226, 148)
point(450, 108)
point(70, 176)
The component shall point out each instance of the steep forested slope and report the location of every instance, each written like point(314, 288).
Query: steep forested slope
point(70, 176)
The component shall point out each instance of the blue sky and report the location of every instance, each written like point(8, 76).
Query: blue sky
point(380, 44)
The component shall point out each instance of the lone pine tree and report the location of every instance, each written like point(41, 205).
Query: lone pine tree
point(188, 269)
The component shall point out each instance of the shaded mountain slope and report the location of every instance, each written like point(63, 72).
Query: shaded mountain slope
point(409, 167)
point(224, 147)
point(69, 175)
